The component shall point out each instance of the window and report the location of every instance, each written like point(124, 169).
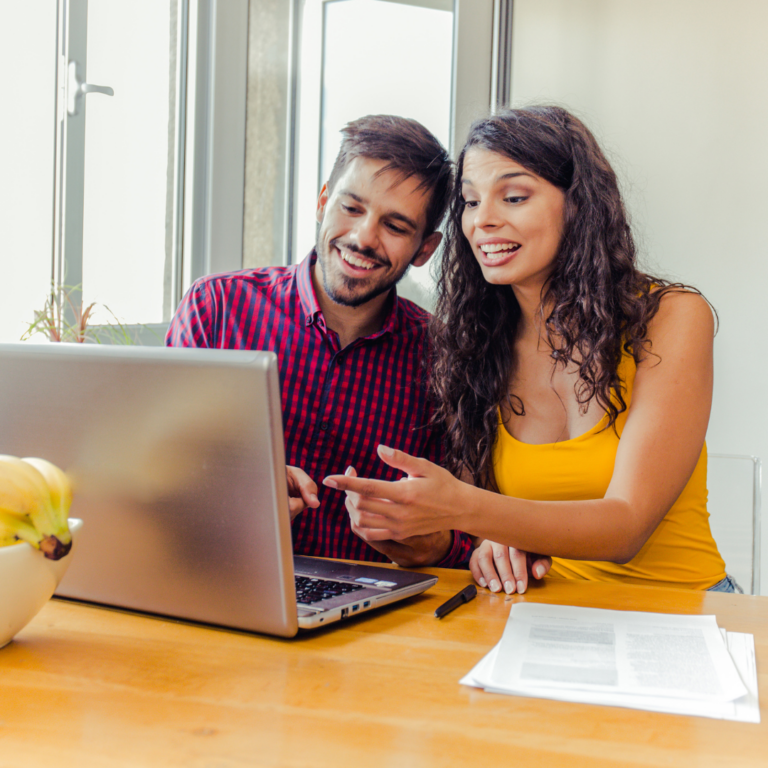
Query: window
point(28, 49)
point(119, 164)
point(132, 164)
point(210, 153)
point(405, 57)
point(147, 172)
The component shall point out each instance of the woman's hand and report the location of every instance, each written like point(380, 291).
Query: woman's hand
point(494, 565)
point(416, 551)
point(425, 502)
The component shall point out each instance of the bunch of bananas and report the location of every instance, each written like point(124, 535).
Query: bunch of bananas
point(35, 497)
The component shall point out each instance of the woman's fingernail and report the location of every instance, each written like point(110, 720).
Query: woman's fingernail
point(495, 586)
point(520, 587)
point(385, 450)
point(330, 483)
point(482, 582)
point(539, 571)
point(349, 470)
point(509, 587)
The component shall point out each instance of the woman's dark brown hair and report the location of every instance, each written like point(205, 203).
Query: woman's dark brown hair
point(596, 305)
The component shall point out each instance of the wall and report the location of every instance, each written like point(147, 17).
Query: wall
point(677, 91)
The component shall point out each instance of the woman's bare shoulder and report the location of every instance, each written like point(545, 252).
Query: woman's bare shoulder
point(683, 311)
point(682, 329)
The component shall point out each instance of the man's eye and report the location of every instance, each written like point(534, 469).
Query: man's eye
point(348, 208)
point(397, 230)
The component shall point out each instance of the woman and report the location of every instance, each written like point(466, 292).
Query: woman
point(576, 389)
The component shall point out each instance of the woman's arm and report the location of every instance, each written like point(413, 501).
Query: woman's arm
point(658, 450)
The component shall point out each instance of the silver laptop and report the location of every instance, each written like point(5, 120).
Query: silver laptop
point(179, 470)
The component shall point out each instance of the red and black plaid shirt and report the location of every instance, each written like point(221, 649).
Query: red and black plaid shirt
point(338, 404)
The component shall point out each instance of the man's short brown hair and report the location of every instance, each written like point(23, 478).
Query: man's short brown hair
point(408, 148)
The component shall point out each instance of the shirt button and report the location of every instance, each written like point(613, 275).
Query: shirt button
point(323, 425)
point(339, 359)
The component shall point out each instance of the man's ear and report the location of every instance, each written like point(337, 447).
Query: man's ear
point(322, 201)
point(427, 248)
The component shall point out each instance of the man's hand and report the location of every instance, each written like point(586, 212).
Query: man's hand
point(302, 491)
point(414, 551)
point(499, 567)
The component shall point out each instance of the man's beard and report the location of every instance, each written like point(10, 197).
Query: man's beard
point(352, 298)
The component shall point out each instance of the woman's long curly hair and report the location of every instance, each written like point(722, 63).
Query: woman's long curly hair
point(596, 305)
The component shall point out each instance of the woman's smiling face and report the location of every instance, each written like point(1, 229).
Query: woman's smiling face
point(512, 218)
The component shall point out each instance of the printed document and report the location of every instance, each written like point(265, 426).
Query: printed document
point(653, 661)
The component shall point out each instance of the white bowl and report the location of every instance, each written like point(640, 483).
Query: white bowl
point(27, 581)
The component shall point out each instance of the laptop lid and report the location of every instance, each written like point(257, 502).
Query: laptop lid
point(178, 466)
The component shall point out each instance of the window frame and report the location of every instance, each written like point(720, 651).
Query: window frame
point(214, 155)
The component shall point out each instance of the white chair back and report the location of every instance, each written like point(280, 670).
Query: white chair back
point(734, 482)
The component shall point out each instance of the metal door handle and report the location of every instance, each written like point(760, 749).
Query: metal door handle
point(76, 89)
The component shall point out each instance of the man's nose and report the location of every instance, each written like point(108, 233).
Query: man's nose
point(365, 233)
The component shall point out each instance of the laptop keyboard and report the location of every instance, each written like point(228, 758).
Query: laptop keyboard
point(310, 591)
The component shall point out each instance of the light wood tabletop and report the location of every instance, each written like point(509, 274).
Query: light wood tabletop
point(86, 686)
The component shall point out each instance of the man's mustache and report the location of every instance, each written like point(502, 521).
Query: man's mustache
point(367, 253)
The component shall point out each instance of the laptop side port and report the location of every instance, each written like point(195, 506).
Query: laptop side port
point(344, 613)
point(366, 603)
point(355, 607)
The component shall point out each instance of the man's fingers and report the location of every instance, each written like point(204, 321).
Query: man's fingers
point(295, 506)
point(308, 491)
point(400, 554)
point(300, 484)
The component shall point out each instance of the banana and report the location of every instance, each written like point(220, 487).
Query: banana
point(60, 496)
point(15, 528)
point(34, 503)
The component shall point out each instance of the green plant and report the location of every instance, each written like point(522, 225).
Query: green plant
point(65, 318)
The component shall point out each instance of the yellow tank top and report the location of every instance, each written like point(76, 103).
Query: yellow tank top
point(681, 551)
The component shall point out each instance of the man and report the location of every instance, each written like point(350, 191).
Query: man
point(351, 352)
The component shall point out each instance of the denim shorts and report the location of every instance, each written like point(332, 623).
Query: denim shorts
point(728, 584)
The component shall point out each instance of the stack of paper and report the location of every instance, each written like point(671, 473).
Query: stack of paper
point(655, 661)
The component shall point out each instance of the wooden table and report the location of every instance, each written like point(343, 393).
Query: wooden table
point(85, 686)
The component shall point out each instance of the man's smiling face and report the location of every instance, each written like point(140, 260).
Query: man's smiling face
point(371, 230)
